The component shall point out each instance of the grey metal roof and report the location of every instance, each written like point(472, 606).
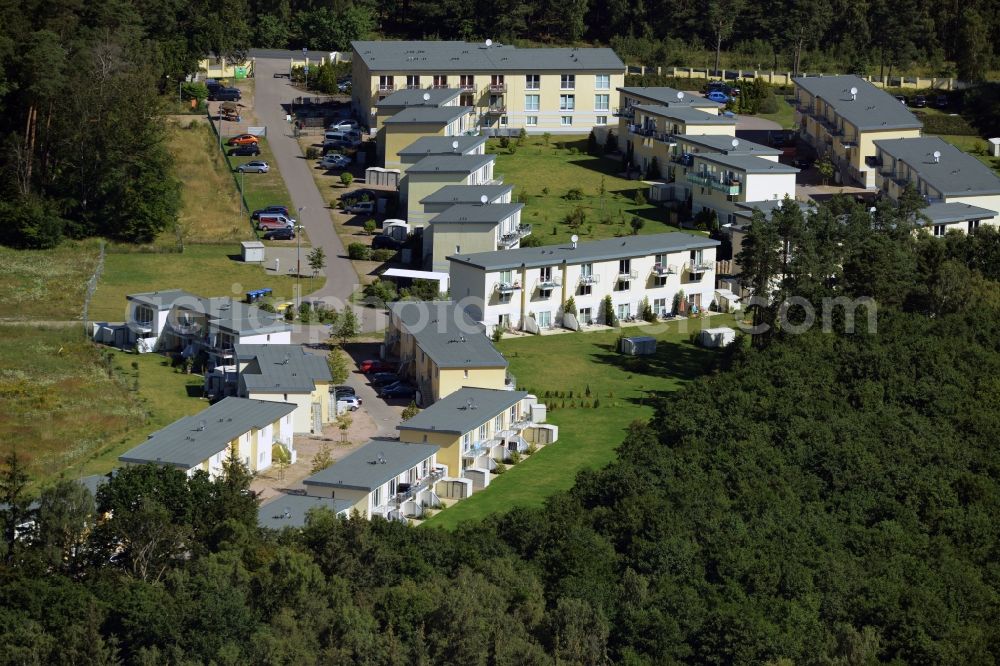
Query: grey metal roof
point(745, 209)
point(415, 97)
point(956, 174)
point(724, 144)
point(442, 145)
point(435, 56)
point(476, 213)
point(685, 114)
point(428, 114)
point(457, 194)
point(601, 250)
point(948, 213)
point(193, 439)
point(280, 368)
point(668, 96)
point(746, 163)
point(463, 410)
point(372, 465)
point(162, 300)
point(451, 164)
point(290, 510)
point(447, 334)
point(873, 109)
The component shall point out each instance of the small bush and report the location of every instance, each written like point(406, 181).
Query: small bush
point(769, 104)
point(574, 194)
point(359, 252)
point(500, 468)
point(370, 226)
point(312, 153)
point(383, 255)
point(545, 191)
point(532, 449)
point(346, 179)
point(515, 457)
point(597, 403)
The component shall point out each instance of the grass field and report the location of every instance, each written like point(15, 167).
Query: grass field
point(46, 284)
point(263, 189)
point(206, 270)
point(71, 407)
point(785, 115)
point(588, 436)
point(545, 174)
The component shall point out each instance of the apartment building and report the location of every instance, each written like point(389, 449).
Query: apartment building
point(472, 228)
point(452, 195)
point(961, 191)
point(441, 349)
point(474, 426)
point(736, 230)
point(249, 429)
point(289, 374)
point(656, 128)
point(401, 100)
point(555, 90)
point(843, 117)
point(721, 182)
point(293, 510)
point(177, 321)
point(633, 96)
point(432, 173)
point(433, 146)
point(387, 479)
point(506, 289)
point(409, 125)
point(681, 157)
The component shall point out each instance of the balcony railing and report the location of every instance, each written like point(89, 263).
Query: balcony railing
point(413, 86)
point(684, 159)
point(496, 109)
point(438, 86)
point(727, 187)
point(626, 276)
point(666, 138)
point(642, 131)
point(590, 278)
point(551, 282)
point(386, 87)
point(699, 266)
point(467, 87)
point(511, 238)
point(627, 112)
point(508, 287)
point(660, 270)
point(498, 87)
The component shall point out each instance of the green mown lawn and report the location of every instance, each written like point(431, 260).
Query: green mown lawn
point(542, 175)
point(784, 116)
point(263, 189)
point(72, 407)
point(588, 436)
point(205, 270)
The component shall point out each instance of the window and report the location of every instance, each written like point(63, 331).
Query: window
point(545, 274)
point(567, 82)
point(624, 266)
point(622, 285)
point(503, 321)
point(506, 277)
point(143, 315)
point(973, 225)
point(412, 80)
point(601, 120)
point(660, 306)
point(466, 442)
point(531, 102)
point(503, 121)
point(584, 290)
point(498, 423)
point(585, 317)
point(467, 82)
point(385, 83)
point(467, 100)
point(377, 496)
point(602, 102)
point(624, 311)
point(466, 374)
point(602, 82)
point(440, 81)
point(531, 121)
point(458, 249)
point(544, 319)
point(565, 121)
point(532, 82)
point(567, 102)
point(483, 430)
point(939, 230)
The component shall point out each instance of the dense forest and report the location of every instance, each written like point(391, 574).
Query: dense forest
point(824, 497)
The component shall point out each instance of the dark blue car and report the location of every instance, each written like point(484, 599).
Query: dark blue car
point(398, 390)
point(718, 96)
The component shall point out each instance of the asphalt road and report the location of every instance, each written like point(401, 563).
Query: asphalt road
point(341, 279)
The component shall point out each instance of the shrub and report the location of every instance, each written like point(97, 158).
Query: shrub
point(497, 334)
point(359, 252)
point(611, 143)
point(500, 468)
point(531, 241)
point(941, 124)
point(504, 142)
point(521, 136)
point(312, 153)
point(636, 223)
point(532, 449)
point(574, 194)
point(545, 191)
point(515, 457)
point(346, 179)
point(384, 254)
point(769, 104)
point(370, 226)
point(592, 143)
point(639, 198)
point(653, 169)
point(569, 307)
point(597, 403)
point(380, 292)
point(410, 411)
point(576, 217)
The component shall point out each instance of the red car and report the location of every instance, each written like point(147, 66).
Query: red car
point(242, 140)
point(372, 365)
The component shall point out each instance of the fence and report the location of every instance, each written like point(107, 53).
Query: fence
point(785, 78)
point(91, 288)
point(229, 164)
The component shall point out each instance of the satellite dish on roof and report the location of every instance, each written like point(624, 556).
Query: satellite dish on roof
point(454, 144)
point(735, 142)
point(483, 199)
point(574, 238)
point(937, 156)
point(854, 94)
point(489, 42)
point(427, 97)
point(680, 95)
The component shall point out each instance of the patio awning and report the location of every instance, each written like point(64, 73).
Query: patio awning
point(136, 327)
point(728, 295)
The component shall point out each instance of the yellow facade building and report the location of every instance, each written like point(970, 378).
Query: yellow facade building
point(410, 125)
point(654, 133)
point(437, 171)
point(555, 90)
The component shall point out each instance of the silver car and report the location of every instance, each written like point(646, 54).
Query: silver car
point(256, 166)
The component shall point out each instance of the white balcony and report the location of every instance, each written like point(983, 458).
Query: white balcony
point(626, 276)
point(661, 270)
point(507, 287)
point(551, 282)
point(590, 278)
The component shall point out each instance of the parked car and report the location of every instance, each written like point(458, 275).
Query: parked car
point(242, 140)
point(361, 208)
point(384, 378)
point(918, 102)
point(280, 234)
point(723, 87)
point(343, 389)
point(902, 99)
point(256, 166)
point(350, 402)
point(941, 102)
point(272, 221)
point(357, 195)
point(245, 150)
point(276, 210)
point(344, 125)
point(335, 161)
point(373, 365)
point(225, 95)
point(383, 242)
point(718, 96)
point(398, 390)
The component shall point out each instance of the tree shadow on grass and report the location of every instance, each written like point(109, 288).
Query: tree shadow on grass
point(195, 390)
point(678, 360)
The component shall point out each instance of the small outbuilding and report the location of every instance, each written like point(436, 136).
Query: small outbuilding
point(640, 345)
point(716, 337)
point(252, 252)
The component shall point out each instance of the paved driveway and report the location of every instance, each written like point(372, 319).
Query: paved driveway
point(269, 94)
